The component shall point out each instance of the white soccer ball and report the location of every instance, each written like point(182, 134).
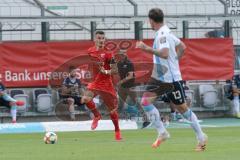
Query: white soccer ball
point(50, 138)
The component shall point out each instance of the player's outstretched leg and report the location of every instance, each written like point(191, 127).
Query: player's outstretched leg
point(88, 100)
point(97, 116)
point(13, 111)
point(13, 103)
point(154, 116)
point(201, 137)
point(8, 98)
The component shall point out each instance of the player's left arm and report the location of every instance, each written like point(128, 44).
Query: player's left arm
point(180, 48)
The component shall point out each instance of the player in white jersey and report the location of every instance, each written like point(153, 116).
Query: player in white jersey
point(166, 50)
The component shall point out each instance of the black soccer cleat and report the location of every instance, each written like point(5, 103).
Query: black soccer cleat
point(146, 124)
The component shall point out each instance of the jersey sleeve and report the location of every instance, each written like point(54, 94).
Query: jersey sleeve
point(163, 42)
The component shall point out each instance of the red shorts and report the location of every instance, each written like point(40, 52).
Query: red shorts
point(103, 86)
point(109, 100)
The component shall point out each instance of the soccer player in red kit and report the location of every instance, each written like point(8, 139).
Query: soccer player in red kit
point(102, 84)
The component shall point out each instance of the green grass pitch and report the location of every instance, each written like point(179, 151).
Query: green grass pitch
point(224, 144)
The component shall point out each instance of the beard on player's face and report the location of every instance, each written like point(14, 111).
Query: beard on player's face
point(100, 44)
point(73, 74)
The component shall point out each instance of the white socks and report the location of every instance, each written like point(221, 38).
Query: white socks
point(154, 117)
point(14, 113)
point(236, 104)
point(189, 115)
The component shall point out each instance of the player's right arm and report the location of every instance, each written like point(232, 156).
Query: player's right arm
point(163, 52)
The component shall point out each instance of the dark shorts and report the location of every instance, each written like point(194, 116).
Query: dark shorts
point(77, 100)
point(162, 87)
point(228, 91)
point(176, 94)
point(4, 103)
point(166, 97)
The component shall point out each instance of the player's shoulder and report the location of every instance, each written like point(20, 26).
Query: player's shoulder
point(164, 30)
point(66, 80)
point(163, 34)
point(92, 49)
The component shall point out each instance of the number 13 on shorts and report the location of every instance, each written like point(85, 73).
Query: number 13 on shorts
point(177, 95)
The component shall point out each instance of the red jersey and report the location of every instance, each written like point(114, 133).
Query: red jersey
point(102, 82)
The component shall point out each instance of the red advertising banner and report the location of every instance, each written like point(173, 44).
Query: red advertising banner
point(208, 59)
point(32, 64)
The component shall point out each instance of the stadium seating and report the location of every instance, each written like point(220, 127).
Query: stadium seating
point(208, 95)
point(42, 100)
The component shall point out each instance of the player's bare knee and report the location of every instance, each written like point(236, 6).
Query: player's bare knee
point(70, 101)
point(182, 108)
point(235, 94)
point(86, 99)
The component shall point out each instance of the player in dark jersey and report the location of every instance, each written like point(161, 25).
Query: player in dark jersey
point(127, 80)
point(233, 94)
point(71, 90)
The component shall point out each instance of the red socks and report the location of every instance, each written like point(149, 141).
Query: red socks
point(114, 118)
point(91, 105)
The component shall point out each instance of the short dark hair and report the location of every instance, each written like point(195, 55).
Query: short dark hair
point(71, 68)
point(156, 15)
point(99, 32)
